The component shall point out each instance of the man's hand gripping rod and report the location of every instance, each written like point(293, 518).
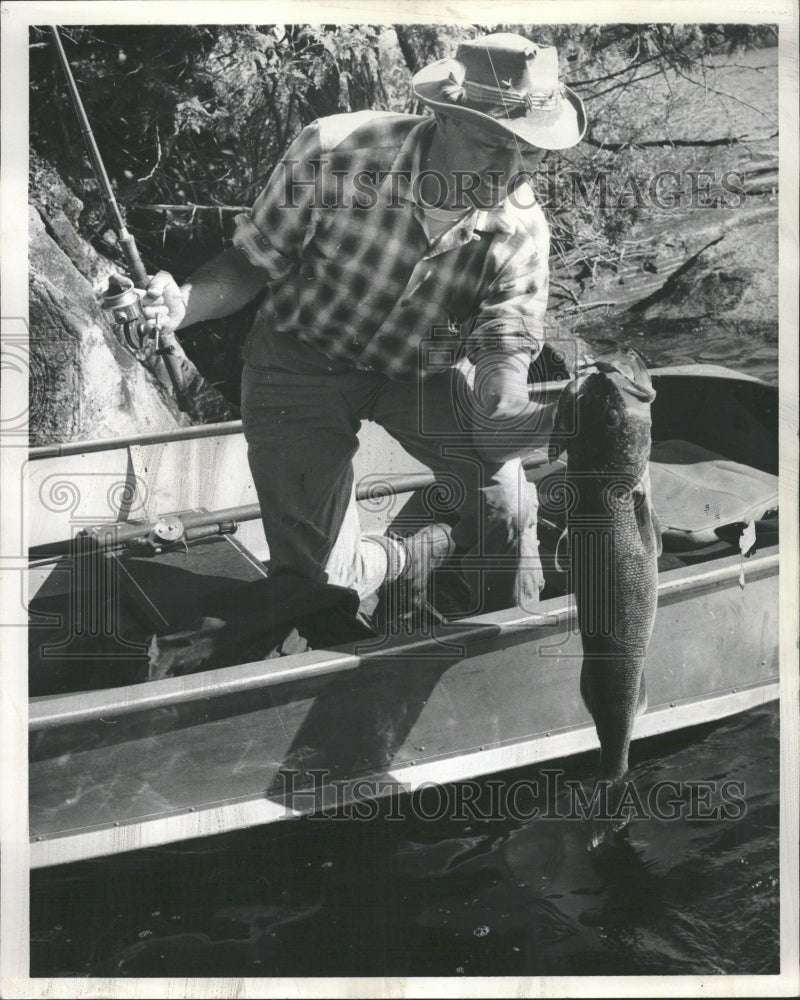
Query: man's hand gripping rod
point(120, 301)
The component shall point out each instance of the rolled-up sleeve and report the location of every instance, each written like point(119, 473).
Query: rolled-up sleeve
point(272, 234)
point(510, 318)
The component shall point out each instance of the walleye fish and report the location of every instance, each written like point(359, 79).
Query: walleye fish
point(614, 544)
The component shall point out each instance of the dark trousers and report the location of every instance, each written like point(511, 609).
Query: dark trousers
point(301, 430)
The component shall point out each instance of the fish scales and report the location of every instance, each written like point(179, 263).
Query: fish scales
point(614, 542)
point(615, 581)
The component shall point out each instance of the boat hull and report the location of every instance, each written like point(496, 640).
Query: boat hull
point(267, 741)
point(120, 766)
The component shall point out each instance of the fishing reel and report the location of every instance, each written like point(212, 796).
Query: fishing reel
point(170, 532)
point(123, 306)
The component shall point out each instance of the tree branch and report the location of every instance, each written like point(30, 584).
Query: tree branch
point(633, 143)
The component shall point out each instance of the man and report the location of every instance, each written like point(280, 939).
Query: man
point(406, 281)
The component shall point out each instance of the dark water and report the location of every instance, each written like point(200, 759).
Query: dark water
point(459, 896)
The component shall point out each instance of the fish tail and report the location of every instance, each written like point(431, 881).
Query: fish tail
point(614, 693)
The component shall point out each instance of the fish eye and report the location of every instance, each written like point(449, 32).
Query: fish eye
point(612, 417)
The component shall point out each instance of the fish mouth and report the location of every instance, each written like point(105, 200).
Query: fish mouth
point(626, 368)
point(618, 381)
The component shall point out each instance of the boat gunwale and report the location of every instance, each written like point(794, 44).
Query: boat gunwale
point(52, 711)
point(230, 427)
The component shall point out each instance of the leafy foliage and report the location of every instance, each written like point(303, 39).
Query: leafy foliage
point(193, 115)
point(198, 116)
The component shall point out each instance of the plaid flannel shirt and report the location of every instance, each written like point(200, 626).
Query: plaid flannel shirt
point(350, 268)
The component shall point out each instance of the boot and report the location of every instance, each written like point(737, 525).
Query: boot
point(406, 597)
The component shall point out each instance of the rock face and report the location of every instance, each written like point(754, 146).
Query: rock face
point(732, 278)
point(701, 286)
point(84, 383)
point(682, 261)
point(720, 262)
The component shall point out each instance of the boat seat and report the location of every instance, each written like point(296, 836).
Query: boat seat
point(697, 492)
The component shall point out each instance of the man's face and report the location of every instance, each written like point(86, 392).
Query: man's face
point(496, 159)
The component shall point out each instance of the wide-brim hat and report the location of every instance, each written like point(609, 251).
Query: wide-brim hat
point(508, 85)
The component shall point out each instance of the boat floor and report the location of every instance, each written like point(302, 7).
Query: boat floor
point(113, 604)
point(155, 611)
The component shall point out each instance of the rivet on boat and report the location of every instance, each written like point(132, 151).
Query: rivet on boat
point(672, 704)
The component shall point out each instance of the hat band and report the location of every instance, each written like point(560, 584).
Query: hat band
point(542, 100)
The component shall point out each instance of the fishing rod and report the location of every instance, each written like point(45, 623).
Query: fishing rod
point(120, 300)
